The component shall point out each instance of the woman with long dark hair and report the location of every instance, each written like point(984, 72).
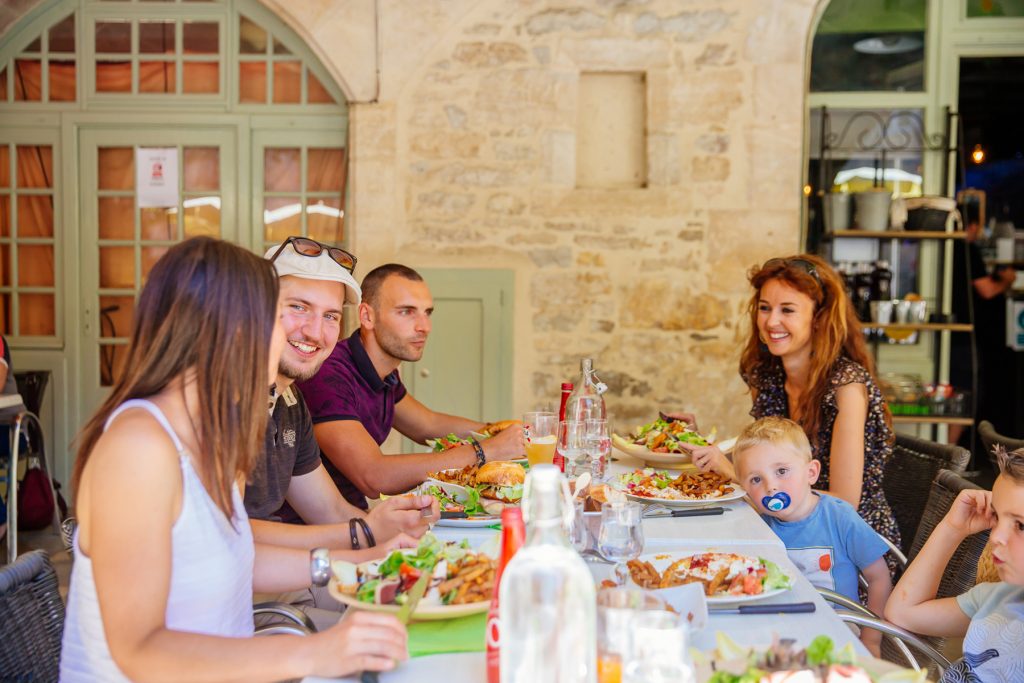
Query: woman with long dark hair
point(165, 566)
point(806, 360)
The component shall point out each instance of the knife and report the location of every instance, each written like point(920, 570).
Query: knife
point(699, 512)
point(451, 514)
point(404, 614)
point(781, 608)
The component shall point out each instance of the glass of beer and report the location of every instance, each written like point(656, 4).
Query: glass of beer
point(540, 431)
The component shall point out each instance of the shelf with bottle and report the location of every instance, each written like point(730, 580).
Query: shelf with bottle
point(898, 234)
point(919, 327)
point(932, 419)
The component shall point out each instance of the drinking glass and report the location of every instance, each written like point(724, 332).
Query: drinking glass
point(579, 534)
point(571, 445)
point(621, 537)
point(616, 609)
point(540, 429)
point(598, 445)
point(657, 652)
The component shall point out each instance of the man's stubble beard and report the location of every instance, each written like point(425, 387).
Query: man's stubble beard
point(394, 347)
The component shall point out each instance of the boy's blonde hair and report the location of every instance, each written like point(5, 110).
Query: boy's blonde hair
point(1011, 464)
point(774, 430)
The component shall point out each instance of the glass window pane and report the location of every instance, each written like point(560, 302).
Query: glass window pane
point(5, 314)
point(113, 36)
point(116, 315)
point(157, 77)
point(287, 82)
point(62, 35)
point(6, 265)
point(35, 216)
point(252, 39)
point(28, 83)
point(113, 76)
point(862, 46)
point(280, 49)
point(325, 169)
point(35, 166)
point(995, 8)
point(5, 165)
point(200, 38)
point(156, 37)
point(35, 46)
point(202, 217)
point(202, 168)
point(62, 80)
point(200, 77)
point(117, 267)
point(252, 82)
point(5, 217)
point(37, 315)
point(35, 265)
point(116, 218)
point(316, 93)
point(3, 84)
point(158, 223)
point(324, 220)
point(150, 255)
point(281, 171)
point(112, 360)
point(281, 218)
point(116, 168)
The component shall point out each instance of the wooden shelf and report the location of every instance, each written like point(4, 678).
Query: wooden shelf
point(921, 327)
point(899, 234)
point(932, 420)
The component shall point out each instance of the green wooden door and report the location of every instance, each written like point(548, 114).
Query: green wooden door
point(120, 241)
point(466, 368)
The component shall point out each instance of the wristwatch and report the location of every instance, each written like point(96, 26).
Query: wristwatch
point(320, 566)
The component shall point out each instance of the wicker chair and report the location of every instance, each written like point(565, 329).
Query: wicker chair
point(909, 474)
point(990, 438)
point(31, 619)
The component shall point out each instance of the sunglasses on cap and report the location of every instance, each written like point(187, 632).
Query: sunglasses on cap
point(307, 247)
point(798, 263)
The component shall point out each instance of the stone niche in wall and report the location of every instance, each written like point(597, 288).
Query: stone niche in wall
point(611, 135)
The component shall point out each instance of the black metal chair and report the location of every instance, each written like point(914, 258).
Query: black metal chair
point(990, 438)
point(31, 619)
point(908, 476)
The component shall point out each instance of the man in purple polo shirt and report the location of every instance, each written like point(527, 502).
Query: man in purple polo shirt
point(358, 396)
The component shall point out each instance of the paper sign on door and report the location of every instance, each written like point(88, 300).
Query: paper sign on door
point(156, 176)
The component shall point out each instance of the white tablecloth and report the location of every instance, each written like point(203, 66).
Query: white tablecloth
point(740, 529)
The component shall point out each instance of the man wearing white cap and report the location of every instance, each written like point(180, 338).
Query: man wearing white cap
point(290, 483)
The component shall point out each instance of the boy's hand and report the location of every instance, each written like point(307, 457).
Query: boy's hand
point(710, 459)
point(970, 513)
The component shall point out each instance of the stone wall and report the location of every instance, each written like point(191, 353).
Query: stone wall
point(468, 158)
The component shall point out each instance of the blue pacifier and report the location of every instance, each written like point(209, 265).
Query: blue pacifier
point(776, 502)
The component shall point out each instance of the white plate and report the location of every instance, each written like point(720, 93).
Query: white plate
point(717, 600)
point(737, 493)
point(468, 522)
point(422, 613)
point(627, 447)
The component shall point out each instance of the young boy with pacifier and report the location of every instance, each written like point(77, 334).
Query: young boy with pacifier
point(824, 536)
point(990, 616)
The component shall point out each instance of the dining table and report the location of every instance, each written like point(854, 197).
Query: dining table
point(738, 529)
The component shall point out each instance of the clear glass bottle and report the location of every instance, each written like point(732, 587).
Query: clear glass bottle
point(585, 402)
point(548, 606)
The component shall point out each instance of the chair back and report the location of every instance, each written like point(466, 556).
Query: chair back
point(31, 619)
point(908, 477)
point(990, 438)
point(32, 387)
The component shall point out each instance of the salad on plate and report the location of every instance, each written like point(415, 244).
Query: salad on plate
point(664, 436)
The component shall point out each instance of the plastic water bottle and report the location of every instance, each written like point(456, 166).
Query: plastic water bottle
point(548, 605)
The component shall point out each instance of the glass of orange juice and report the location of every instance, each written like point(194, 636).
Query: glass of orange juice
point(540, 428)
point(617, 608)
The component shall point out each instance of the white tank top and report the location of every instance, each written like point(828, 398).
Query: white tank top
point(211, 575)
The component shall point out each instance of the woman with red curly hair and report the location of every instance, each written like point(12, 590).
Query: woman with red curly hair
point(806, 359)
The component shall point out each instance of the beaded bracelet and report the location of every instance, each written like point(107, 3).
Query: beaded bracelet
point(481, 457)
point(370, 540)
point(352, 533)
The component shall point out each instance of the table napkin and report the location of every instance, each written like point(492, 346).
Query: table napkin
point(465, 634)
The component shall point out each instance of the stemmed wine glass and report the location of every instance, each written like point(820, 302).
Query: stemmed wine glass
point(621, 537)
point(599, 446)
point(571, 445)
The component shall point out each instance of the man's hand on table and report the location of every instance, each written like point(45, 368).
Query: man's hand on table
point(410, 514)
point(508, 444)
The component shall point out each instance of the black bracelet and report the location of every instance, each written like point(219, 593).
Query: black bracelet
point(481, 457)
point(370, 540)
point(352, 533)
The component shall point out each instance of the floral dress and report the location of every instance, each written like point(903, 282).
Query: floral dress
point(772, 400)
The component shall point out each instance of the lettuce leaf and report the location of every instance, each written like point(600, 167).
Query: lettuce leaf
point(820, 651)
point(775, 578)
point(367, 591)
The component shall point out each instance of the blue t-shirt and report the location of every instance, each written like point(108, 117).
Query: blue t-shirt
point(831, 545)
point(994, 644)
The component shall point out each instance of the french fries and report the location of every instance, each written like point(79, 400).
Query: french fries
point(473, 580)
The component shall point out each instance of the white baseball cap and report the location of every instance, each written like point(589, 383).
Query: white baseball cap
point(319, 267)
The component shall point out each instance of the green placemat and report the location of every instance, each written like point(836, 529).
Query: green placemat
point(465, 634)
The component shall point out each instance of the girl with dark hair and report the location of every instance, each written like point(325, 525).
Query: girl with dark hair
point(165, 565)
point(806, 360)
